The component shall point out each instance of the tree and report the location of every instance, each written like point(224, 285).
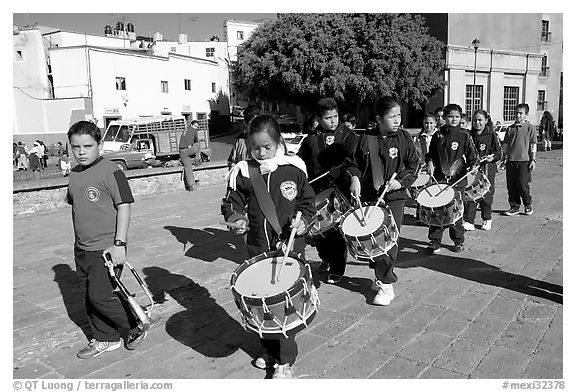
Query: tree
point(299, 58)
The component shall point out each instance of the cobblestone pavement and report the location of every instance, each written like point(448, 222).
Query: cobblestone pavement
point(493, 311)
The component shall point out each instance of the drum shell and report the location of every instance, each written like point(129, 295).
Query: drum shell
point(327, 216)
point(302, 294)
point(442, 216)
point(477, 188)
point(373, 246)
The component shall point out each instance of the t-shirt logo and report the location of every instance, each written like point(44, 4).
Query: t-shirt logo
point(329, 139)
point(393, 152)
point(92, 194)
point(482, 147)
point(288, 190)
point(454, 146)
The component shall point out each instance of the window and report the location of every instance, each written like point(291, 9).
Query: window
point(164, 85)
point(545, 68)
point(240, 35)
point(209, 52)
point(187, 84)
point(173, 49)
point(541, 102)
point(120, 83)
point(545, 34)
point(19, 55)
point(473, 101)
point(213, 87)
point(511, 95)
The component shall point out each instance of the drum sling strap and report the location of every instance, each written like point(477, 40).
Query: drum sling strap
point(263, 197)
point(375, 162)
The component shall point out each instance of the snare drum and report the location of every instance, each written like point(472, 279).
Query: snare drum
point(422, 180)
point(439, 209)
point(478, 187)
point(331, 205)
point(275, 309)
point(370, 240)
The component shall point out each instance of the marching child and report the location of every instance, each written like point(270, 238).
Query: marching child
point(488, 147)
point(325, 151)
point(422, 140)
point(451, 156)
point(285, 180)
point(100, 197)
point(376, 159)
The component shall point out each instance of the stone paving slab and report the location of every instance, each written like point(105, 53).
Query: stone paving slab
point(493, 311)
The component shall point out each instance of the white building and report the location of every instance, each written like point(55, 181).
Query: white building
point(63, 77)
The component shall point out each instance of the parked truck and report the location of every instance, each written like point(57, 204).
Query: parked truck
point(148, 141)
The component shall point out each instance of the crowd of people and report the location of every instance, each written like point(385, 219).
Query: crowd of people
point(36, 158)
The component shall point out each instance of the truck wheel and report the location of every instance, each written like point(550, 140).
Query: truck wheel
point(121, 165)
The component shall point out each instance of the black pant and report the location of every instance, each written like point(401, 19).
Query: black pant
point(109, 319)
point(485, 203)
point(384, 266)
point(518, 177)
point(332, 250)
point(456, 230)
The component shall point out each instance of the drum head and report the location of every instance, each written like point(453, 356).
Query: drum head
point(352, 224)
point(256, 279)
point(433, 201)
point(422, 179)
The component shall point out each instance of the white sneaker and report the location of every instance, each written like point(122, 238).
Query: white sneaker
point(468, 226)
point(385, 294)
point(487, 224)
point(282, 371)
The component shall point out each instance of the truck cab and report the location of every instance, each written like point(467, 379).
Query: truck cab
point(137, 155)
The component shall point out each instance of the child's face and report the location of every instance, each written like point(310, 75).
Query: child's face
point(439, 119)
point(452, 118)
point(85, 149)
point(478, 122)
point(263, 146)
point(521, 115)
point(390, 121)
point(429, 124)
point(463, 123)
point(329, 120)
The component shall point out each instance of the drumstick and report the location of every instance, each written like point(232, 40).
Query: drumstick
point(363, 222)
point(290, 244)
point(234, 225)
point(475, 168)
point(382, 194)
point(319, 177)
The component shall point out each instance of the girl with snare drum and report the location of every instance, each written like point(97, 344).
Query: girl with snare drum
point(283, 180)
point(389, 159)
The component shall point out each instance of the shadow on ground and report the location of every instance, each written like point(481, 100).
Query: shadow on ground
point(72, 296)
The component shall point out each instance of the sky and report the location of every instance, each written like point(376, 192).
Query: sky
point(197, 26)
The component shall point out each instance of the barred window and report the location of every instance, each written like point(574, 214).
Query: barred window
point(120, 83)
point(541, 102)
point(209, 52)
point(164, 86)
point(545, 68)
point(187, 84)
point(511, 95)
point(545, 33)
point(473, 101)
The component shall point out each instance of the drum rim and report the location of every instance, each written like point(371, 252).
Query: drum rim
point(379, 231)
point(277, 298)
point(456, 193)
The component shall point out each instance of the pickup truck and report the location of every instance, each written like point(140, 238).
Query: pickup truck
point(139, 155)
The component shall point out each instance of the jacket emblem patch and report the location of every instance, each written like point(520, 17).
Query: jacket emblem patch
point(329, 139)
point(393, 152)
point(288, 190)
point(454, 146)
point(482, 147)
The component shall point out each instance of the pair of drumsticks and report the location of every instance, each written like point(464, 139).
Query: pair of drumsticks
point(474, 169)
point(370, 210)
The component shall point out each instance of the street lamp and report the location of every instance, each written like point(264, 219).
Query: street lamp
point(476, 42)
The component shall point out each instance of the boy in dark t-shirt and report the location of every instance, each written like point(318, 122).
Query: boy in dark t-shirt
point(100, 197)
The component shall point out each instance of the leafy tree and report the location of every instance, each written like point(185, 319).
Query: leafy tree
point(299, 58)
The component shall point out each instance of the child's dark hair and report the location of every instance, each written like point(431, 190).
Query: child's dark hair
point(465, 117)
point(324, 105)
point(523, 106)
point(250, 112)
point(269, 124)
point(85, 128)
point(439, 109)
point(350, 118)
point(450, 108)
point(482, 112)
point(431, 115)
point(194, 122)
point(384, 104)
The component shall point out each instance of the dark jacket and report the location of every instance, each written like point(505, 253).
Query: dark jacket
point(487, 143)
point(290, 192)
point(398, 155)
point(449, 145)
point(325, 151)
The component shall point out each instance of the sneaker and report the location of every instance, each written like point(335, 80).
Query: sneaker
point(487, 224)
point(135, 337)
point(458, 248)
point(512, 211)
point(324, 267)
point(385, 294)
point(434, 248)
point(282, 371)
point(468, 226)
point(528, 210)
point(334, 279)
point(95, 348)
point(265, 361)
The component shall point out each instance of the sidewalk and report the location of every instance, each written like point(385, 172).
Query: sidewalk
point(493, 311)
